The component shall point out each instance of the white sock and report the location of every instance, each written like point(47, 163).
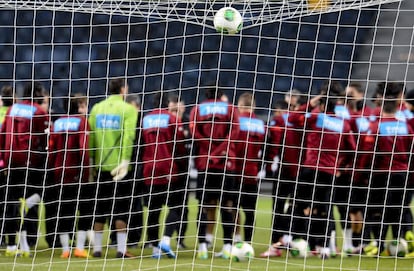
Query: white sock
point(155, 250)
point(238, 238)
point(64, 241)
point(347, 239)
point(227, 247)
point(202, 247)
point(332, 241)
point(209, 238)
point(24, 246)
point(97, 243)
point(166, 240)
point(121, 238)
point(91, 237)
point(286, 239)
point(12, 248)
point(80, 240)
point(32, 200)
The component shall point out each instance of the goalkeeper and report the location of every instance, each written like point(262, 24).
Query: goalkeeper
point(113, 128)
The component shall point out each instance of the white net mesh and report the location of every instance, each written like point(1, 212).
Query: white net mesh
point(171, 48)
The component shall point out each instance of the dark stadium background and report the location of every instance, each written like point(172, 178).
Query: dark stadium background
point(70, 57)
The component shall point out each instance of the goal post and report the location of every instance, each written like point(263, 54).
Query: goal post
point(171, 59)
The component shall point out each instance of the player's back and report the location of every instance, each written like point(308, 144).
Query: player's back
point(163, 139)
point(68, 146)
point(214, 125)
point(249, 146)
point(23, 133)
point(326, 137)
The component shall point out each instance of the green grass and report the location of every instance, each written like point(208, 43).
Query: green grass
point(46, 259)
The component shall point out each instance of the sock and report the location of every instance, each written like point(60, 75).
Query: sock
point(80, 240)
point(97, 244)
point(166, 240)
point(64, 241)
point(209, 238)
point(12, 248)
point(332, 241)
point(155, 250)
point(32, 200)
point(24, 246)
point(286, 239)
point(347, 239)
point(227, 248)
point(91, 237)
point(237, 238)
point(121, 238)
point(202, 247)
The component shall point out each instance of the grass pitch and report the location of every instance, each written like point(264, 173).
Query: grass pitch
point(46, 259)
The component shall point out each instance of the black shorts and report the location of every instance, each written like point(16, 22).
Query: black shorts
point(23, 182)
point(113, 198)
point(248, 196)
point(216, 185)
point(172, 195)
point(359, 198)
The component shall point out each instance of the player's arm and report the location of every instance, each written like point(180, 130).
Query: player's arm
point(273, 146)
point(365, 155)
point(129, 133)
point(92, 135)
point(84, 149)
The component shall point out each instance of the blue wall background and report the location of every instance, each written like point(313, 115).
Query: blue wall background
point(74, 52)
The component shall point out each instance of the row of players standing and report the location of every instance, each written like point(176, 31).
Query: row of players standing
point(352, 155)
point(217, 128)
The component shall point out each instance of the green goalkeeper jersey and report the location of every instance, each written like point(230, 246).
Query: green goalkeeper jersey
point(113, 129)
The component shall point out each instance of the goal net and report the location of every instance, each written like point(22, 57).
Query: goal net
point(137, 137)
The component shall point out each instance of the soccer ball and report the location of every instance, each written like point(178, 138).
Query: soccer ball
point(228, 21)
point(241, 252)
point(397, 247)
point(299, 248)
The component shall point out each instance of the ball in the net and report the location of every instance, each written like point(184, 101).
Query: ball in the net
point(228, 20)
point(241, 252)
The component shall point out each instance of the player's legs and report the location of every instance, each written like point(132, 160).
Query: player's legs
point(104, 209)
point(282, 219)
point(321, 212)
point(341, 198)
point(227, 200)
point(302, 201)
point(248, 203)
point(122, 210)
point(85, 221)
point(208, 195)
point(67, 214)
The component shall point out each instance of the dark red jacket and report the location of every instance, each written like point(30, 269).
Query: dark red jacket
point(249, 147)
point(68, 150)
point(285, 141)
point(330, 143)
point(214, 126)
point(163, 147)
point(387, 147)
point(23, 139)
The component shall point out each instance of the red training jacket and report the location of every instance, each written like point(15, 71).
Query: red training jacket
point(23, 139)
point(163, 147)
point(68, 150)
point(214, 126)
point(249, 147)
point(329, 144)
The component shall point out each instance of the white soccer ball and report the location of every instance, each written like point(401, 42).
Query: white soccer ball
point(299, 248)
point(397, 247)
point(241, 252)
point(228, 20)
